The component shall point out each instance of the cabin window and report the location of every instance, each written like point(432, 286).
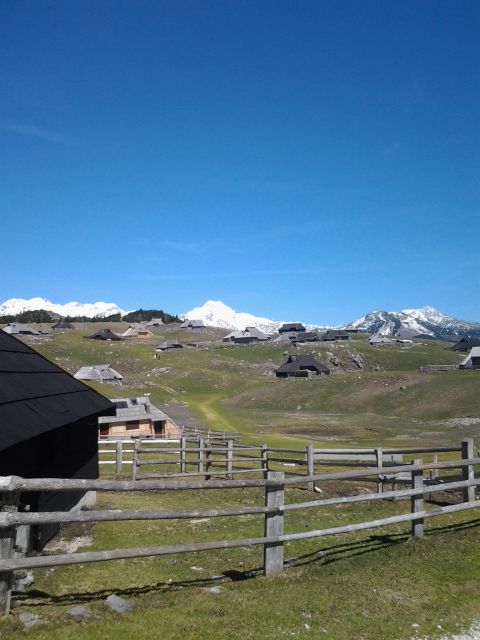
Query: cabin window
point(133, 424)
point(104, 431)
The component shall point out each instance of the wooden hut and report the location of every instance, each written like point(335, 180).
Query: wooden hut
point(104, 334)
point(137, 417)
point(334, 335)
point(466, 343)
point(48, 428)
point(301, 366)
point(62, 325)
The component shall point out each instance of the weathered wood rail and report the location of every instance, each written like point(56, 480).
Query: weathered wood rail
point(274, 509)
point(199, 457)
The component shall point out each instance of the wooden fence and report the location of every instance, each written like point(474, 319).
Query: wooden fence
point(198, 456)
point(273, 510)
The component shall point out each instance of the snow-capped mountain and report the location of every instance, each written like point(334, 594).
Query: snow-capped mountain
point(95, 310)
point(215, 313)
point(409, 323)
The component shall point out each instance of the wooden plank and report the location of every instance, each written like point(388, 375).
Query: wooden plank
point(118, 457)
point(8, 519)
point(183, 455)
point(468, 472)
point(273, 526)
point(136, 447)
point(208, 464)
point(68, 484)
point(265, 460)
point(417, 504)
point(229, 460)
point(8, 504)
point(379, 464)
point(117, 554)
point(310, 466)
point(200, 456)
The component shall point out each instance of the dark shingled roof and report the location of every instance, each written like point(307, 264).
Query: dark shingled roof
point(302, 362)
point(466, 343)
point(36, 396)
point(104, 334)
point(62, 324)
point(306, 336)
point(335, 334)
point(291, 326)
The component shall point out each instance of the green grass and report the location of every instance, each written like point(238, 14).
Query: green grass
point(371, 585)
point(389, 402)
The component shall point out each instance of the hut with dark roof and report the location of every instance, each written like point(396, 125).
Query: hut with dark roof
point(301, 366)
point(168, 345)
point(62, 324)
point(305, 336)
point(104, 334)
point(466, 343)
point(48, 429)
point(192, 324)
point(18, 328)
point(290, 327)
point(335, 334)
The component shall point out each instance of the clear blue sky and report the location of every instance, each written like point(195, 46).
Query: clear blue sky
point(295, 159)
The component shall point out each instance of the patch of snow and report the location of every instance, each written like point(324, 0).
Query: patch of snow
point(13, 306)
point(215, 313)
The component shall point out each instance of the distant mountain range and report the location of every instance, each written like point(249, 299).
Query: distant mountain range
point(409, 323)
point(14, 306)
point(425, 322)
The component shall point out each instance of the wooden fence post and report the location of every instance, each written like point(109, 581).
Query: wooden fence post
point(273, 551)
point(310, 466)
point(379, 461)
point(135, 461)
point(264, 454)
point(208, 461)
point(201, 466)
point(229, 463)
point(468, 472)
point(118, 456)
point(8, 502)
point(417, 503)
point(183, 454)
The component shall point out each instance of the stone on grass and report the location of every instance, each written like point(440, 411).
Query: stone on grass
point(212, 589)
point(79, 612)
point(22, 579)
point(30, 620)
point(119, 605)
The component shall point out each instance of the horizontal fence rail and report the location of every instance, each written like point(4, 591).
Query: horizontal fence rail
point(274, 509)
point(197, 456)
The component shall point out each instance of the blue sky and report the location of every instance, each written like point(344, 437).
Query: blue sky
point(302, 159)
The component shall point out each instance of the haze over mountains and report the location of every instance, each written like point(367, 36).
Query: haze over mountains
point(425, 322)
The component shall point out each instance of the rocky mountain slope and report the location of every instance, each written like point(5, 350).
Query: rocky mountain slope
point(409, 323)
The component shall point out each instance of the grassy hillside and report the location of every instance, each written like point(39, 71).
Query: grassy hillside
point(372, 585)
point(388, 401)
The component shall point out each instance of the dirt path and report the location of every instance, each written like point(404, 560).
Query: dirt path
point(180, 414)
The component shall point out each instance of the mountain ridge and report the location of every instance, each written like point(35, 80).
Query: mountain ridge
point(426, 322)
point(14, 306)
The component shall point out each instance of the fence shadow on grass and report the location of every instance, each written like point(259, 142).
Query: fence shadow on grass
point(322, 556)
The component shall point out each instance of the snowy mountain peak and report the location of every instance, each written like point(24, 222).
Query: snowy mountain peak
point(215, 313)
point(426, 321)
point(15, 306)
